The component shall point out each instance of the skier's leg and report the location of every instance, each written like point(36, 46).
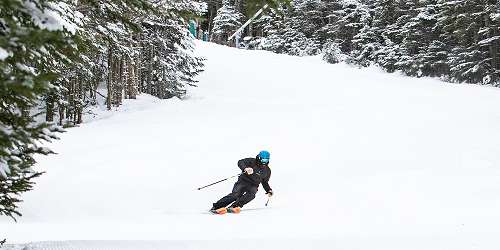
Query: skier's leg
point(226, 200)
point(248, 196)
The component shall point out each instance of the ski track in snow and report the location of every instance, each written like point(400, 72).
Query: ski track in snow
point(361, 159)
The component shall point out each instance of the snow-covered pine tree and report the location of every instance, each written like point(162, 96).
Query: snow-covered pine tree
point(110, 31)
point(387, 28)
point(471, 29)
point(211, 12)
point(307, 16)
point(289, 40)
point(41, 61)
point(367, 42)
point(253, 5)
point(34, 44)
point(135, 46)
point(490, 39)
point(227, 21)
point(264, 27)
point(408, 44)
point(345, 20)
point(168, 63)
point(285, 33)
point(330, 12)
point(66, 100)
point(425, 53)
point(456, 40)
point(332, 53)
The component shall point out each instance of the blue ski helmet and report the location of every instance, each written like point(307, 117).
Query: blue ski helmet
point(263, 157)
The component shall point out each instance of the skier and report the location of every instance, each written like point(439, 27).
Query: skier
point(254, 172)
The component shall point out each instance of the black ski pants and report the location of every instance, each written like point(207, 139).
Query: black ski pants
point(242, 194)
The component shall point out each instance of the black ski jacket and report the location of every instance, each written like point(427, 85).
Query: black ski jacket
point(261, 173)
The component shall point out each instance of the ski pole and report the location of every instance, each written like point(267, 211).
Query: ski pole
point(268, 199)
point(200, 188)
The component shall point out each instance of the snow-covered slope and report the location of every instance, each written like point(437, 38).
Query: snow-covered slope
point(361, 160)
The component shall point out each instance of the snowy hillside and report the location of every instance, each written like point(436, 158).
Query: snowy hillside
point(361, 159)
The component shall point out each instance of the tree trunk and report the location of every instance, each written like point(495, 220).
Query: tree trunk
point(71, 99)
point(118, 88)
point(138, 67)
point(61, 115)
point(110, 77)
point(81, 98)
point(49, 103)
point(131, 83)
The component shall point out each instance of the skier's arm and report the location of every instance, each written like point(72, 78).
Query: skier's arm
point(266, 187)
point(265, 184)
point(244, 163)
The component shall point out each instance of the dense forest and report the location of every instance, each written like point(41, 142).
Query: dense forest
point(57, 58)
point(457, 41)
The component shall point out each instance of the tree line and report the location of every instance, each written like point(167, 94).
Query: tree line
point(57, 58)
point(457, 41)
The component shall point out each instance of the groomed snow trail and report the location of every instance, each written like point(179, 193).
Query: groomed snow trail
point(361, 159)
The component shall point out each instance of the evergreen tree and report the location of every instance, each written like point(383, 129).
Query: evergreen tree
point(285, 34)
point(471, 29)
point(455, 40)
point(367, 42)
point(386, 25)
point(51, 53)
point(332, 53)
point(346, 19)
point(306, 16)
point(227, 21)
point(34, 46)
point(425, 53)
point(110, 31)
point(169, 65)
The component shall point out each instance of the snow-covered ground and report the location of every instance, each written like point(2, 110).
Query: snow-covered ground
point(361, 159)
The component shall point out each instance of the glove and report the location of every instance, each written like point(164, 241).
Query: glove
point(270, 193)
point(249, 171)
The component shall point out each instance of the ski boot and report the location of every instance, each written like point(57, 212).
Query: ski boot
point(234, 210)
point(221, 210)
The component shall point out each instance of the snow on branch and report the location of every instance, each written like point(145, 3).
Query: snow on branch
point(54, 17)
